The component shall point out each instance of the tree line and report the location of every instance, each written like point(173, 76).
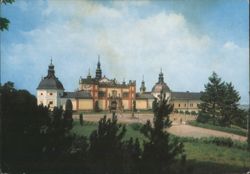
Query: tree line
point(37, 140)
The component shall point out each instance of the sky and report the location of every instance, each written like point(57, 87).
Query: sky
point(188, 39)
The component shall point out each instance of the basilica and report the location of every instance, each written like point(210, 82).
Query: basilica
point(102, 93)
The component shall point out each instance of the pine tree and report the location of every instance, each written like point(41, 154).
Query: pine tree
point(134, 106)
point(229, 107)
point(67, 115)
point(154, 105)
point(106, 147)
point(212, 98)
point(160, 154)
point(81, 119)
point(220, 102)
point(4, 22)
point(131, 156)
point(96, 108)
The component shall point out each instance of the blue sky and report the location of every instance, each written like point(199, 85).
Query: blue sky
point(188, 39)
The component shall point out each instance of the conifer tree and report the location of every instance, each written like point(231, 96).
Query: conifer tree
point(67, 116)
point(160, 154)
point(106, 147)
point(212, 98)
point(96, 108)
point(229, 108)
point(220, 102)
point(4, 22)
point(81, 119)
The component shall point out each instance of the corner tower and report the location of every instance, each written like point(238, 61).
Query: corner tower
point(50, 89)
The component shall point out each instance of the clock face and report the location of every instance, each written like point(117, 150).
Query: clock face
point(86, 87)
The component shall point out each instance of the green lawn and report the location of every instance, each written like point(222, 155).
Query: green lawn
point(233, 129)
point(209, 158)
point(204, 158)
point(85, 130)
point(88, 127)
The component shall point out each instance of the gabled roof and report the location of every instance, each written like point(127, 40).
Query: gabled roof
point(77, 95)
point(104, 79)
point(186, 95)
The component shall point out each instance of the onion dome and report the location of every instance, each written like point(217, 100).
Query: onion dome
point(160, 85)
point(50, 81)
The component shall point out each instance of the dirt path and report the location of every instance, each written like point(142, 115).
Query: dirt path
point(176, 129)
point(197, 132)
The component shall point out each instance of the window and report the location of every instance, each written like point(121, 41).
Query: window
point(179, 105)
point(101, 94)
point(191, 104)
point(41, 93)
point(185, 105)
point(51, 93)
point(51, 103)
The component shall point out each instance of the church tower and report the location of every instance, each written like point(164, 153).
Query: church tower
point(50, 89)
point(143, 87)
point(161, 86)
point(98, 74)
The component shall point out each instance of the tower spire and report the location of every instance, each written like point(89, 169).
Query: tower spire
point(89, 76)
point(161, 78)
point(98, 74)
point(143, 87)
point(51, 71)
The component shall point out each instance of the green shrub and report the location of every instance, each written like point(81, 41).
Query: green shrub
point(219, 141)
point(240, 145)
point(203, 118)
point(193, 113)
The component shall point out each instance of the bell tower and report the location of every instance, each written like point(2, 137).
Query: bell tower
point(98, 74)
point(143, 87)
point(50, 89)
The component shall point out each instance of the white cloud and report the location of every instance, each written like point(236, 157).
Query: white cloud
point(230, 45)
point(129, 47)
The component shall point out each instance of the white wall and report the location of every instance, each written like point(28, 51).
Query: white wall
point(46, 96)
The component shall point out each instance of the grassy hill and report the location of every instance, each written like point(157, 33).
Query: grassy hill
point(204, 158)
